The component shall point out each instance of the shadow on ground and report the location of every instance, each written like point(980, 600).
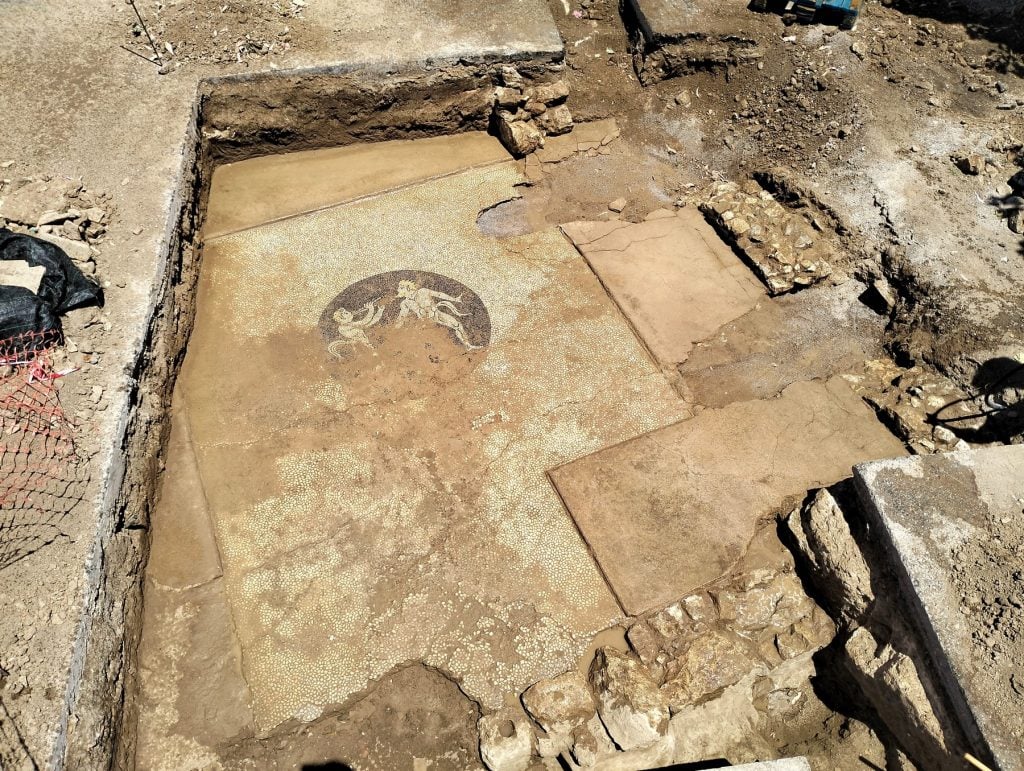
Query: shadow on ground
point(999, 385)
point(1003, 26)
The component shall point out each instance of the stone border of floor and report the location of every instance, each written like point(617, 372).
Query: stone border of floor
point(233, 117)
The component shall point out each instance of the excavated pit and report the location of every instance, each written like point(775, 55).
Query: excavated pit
point(423, 448)
point(234, 118)
point(355, 506)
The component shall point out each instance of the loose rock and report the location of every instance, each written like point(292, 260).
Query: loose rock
point(561, 703)
point(629, 702)
point(969, 163)
point(506, 741)
point(519, 137)
point(551, 93)
point(555, 121)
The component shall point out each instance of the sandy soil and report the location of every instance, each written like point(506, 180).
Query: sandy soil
point(871, 121)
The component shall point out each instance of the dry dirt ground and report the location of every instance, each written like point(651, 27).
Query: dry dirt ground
point(871, 121)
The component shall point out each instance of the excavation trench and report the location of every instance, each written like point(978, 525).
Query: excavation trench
point(415, 464)
point(234, 118)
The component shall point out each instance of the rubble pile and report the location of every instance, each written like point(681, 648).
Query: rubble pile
point(749, 636)
point(60, 211)
point(222, 31)
point(525, 114)
point(66, 213)
point(925, 409)
point(781, 246)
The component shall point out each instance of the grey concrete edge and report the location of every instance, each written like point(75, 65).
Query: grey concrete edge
point(944, 679)
point(114, 464)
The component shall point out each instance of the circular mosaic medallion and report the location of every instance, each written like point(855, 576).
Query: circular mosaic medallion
point(361, 316)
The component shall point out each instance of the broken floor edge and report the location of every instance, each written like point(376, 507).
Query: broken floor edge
point(116, 492)
point(944, 680)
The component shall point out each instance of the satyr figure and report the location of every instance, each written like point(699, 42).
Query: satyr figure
point(434, 306)
point(351, 330)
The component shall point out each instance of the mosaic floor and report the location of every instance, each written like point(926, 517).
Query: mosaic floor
point(374, 393)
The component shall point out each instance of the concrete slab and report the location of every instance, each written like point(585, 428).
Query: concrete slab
point(674, 509)
point(370, 30)
point(381, 497)
point(816, 333)
point(260, 190)
point(672, 276)
point(952, 525)
point(665, 21)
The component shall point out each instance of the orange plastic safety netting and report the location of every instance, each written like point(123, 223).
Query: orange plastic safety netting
point(41, 476)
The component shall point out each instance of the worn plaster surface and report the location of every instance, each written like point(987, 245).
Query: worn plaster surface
point(673, 277)
point(815, 333)
point(378, 492)
point(672, 510)
point(278, 186)
point(952, 523)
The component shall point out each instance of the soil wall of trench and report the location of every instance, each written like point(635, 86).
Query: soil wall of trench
point(233, 118)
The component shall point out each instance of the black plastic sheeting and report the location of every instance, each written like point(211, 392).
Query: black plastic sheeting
point(63, 288)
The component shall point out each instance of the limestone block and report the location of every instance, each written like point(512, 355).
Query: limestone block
point(838, 567)
point(519, 137)
point(506, 740)
point(511, 78)
point(629, 702)
point(893, 687)
point(656, 755)
point(760, 603)
point(556, 120)
point(712, 662)
point(507, 97)
point(551, 93)
point(561, 703)
point(590, 743)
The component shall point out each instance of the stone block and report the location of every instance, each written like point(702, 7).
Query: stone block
point(560, 704)
point(629, 702)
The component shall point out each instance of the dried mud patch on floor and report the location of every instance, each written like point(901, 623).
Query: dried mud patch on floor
point(414, 717)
